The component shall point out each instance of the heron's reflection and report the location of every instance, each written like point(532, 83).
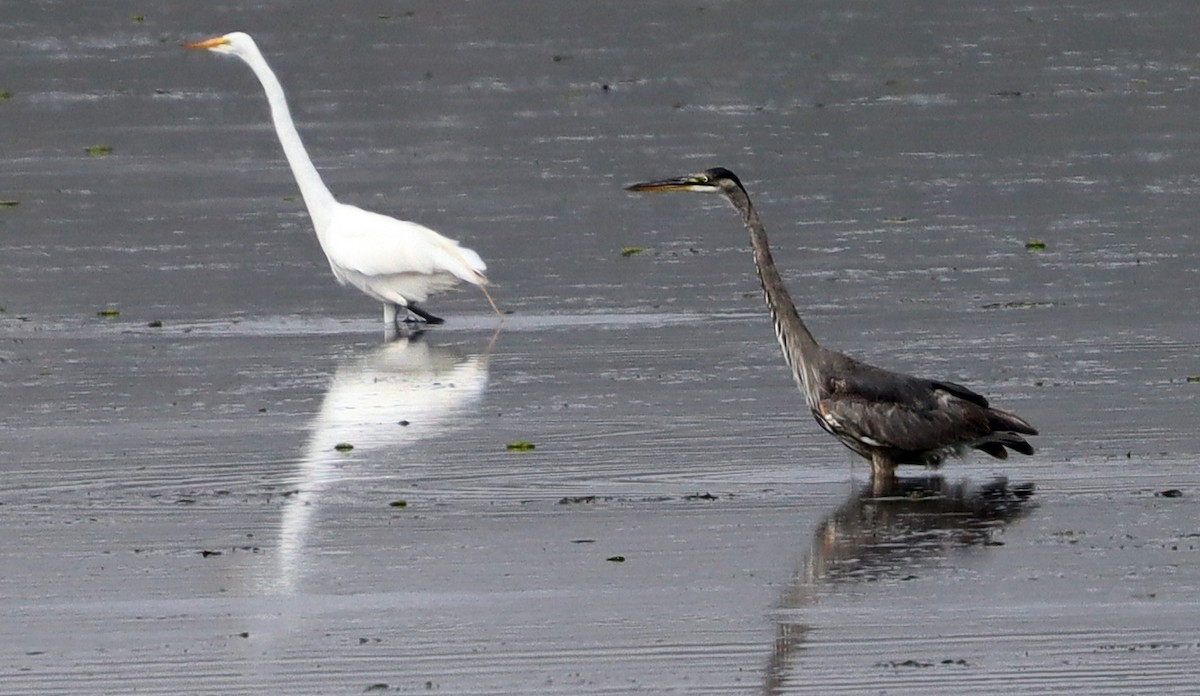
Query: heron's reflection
point(401, 392)
point(883, 532)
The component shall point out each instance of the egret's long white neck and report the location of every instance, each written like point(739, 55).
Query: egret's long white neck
point(317, 197)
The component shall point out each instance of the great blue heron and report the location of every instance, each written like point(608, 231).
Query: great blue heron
point(887, 417)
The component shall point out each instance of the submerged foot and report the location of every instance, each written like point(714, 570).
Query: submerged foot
point(425, 316)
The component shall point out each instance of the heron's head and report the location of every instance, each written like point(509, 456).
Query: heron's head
point(237, 43)
point(715, 180)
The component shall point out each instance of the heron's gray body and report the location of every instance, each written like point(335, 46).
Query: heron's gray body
point(887, 417)
point(909, 420)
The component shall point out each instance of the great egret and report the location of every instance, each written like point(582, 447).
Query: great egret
point(886, 417)
point(397, 262)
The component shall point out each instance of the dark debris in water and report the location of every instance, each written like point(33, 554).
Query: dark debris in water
point(576, 499)
point(403, 15)
point(520, 446)
point(1170, 493)
point(591, 499)
point(1151, 646)
point(898, 664)
point(616, 559)
point(1018, 304)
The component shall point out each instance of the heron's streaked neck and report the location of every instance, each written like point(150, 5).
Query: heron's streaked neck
point(317, 197)
point(800, 349)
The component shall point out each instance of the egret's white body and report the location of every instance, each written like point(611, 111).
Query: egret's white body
point(397, 262)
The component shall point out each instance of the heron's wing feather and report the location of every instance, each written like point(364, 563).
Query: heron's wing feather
point(878, 384)
point(910, 426)
point(961, 392)
point(900, 411)
point(377, 245)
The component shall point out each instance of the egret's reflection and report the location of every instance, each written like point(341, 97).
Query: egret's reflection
point(884, 532)
point(401, 392)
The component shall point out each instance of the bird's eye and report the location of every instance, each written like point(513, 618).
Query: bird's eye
point(702, 179)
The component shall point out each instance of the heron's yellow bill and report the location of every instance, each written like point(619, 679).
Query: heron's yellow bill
point(208, 43)
point(683, 183)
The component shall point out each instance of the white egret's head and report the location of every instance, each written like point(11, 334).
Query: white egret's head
point(237, 43)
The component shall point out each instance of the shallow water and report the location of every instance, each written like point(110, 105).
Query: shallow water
point(178, 516)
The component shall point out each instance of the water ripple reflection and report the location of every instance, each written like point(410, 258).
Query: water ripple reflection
point(881, 534)
point(404, 391)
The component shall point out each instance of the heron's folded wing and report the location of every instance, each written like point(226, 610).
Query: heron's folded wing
point(903, 412)
point(918, 425)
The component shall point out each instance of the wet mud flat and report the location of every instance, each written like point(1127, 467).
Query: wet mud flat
point(207, 534)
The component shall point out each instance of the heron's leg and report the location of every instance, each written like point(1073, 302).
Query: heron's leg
point(883, 485)
point(882, 466)
point(426, 316)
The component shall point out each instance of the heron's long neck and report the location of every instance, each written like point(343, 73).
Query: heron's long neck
point(317, 197)
point(800, 349)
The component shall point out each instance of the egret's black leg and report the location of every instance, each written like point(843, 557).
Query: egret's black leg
point(425, 316)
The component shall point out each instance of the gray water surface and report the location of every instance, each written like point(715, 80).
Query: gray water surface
point(179, 518)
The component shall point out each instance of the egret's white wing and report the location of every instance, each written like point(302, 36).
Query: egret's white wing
point(376, 245)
